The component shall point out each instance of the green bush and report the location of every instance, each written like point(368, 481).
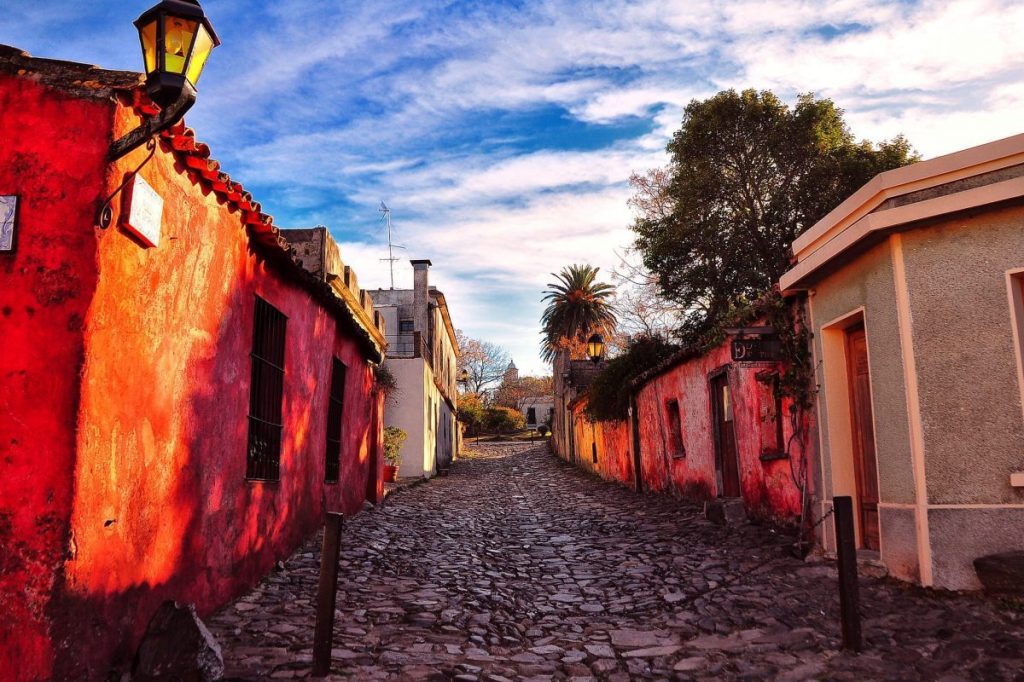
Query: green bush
point(393, 439)
point(503, 419)
point(608, 396)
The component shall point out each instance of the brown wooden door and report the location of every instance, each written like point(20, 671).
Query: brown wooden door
point(727, 468)
point(863, 427)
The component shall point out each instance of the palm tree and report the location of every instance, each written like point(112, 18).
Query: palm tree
point(578, 305)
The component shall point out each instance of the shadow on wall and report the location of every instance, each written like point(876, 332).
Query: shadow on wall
point(163, 509)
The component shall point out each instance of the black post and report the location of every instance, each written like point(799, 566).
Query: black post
point(323, 635)
point(849, 593)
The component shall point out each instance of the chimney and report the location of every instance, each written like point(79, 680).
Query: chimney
point(421, 297)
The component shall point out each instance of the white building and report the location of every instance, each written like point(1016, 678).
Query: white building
point(423, 356)
point(538, 410)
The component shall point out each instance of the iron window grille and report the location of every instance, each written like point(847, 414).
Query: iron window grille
point(263, 460)
point(335, 412)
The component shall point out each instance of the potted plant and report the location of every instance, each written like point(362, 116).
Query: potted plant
point(393, 439)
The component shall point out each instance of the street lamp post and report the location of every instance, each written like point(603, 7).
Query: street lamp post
point(595, 350)
point(176, 38)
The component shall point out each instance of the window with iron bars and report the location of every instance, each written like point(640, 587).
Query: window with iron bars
point(335, 412)
point(263, 459)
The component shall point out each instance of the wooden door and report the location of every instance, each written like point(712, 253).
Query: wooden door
point(863, 428)
point(726, 462)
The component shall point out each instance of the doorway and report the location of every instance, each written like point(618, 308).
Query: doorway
point(727, 467)
point(862, 430)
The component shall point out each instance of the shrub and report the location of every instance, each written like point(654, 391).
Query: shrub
point(503, 419)
point(394, 437)
point(608, 396)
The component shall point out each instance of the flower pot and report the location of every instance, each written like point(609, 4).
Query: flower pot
point(390, 473)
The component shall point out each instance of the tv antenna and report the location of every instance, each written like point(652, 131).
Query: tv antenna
point(391, 260)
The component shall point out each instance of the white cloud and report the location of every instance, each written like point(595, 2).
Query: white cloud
point(325, 103)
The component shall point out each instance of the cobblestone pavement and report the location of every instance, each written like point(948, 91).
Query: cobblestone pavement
point(517, 566)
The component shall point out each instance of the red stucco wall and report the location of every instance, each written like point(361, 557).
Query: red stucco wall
point(768, 487)
point(52, 156)
point(131, 488)
point(614, 457)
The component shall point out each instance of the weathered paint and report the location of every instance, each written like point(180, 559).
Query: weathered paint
point(768, 485)
point(614, 457)
point(53, 157)
point(127, 376)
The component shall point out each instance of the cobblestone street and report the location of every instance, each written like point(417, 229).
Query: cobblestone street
point(517, 566)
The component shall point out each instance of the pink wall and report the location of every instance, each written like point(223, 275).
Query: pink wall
point(768, 487)
point(768, 482)
point(614, 457)
point(128, 483)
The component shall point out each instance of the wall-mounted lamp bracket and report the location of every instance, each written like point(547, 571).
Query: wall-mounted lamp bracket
point(167, 117)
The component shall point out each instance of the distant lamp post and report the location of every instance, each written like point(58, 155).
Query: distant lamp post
point(595, 348)
point(464, 378)
point(177, 39)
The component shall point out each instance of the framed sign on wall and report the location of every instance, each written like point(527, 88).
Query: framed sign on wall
point(144, 212)
point(8, 222)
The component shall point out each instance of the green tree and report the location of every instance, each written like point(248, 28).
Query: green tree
point(748, 174)
point(577, 306)
point(503, 419)
point(609, 394)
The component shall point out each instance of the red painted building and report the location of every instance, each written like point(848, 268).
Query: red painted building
point(703, 427)
point(175, 419)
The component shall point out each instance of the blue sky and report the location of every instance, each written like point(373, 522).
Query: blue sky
point(502, 134)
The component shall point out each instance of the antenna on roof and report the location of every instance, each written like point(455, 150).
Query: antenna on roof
point(391, 260)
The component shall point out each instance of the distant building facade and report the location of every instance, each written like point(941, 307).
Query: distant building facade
point(423, 356)
point(538, 410)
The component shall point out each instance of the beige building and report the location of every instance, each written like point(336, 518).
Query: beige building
point(423, 356)
point(916, 291)
point(538, 410)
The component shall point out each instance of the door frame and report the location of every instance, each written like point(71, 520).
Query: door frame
point(835, 388)
point(714, 377)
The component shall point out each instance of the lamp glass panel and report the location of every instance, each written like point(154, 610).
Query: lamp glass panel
point(148, 35)
point(595, 349)
point(178, 34)
point(200, 53)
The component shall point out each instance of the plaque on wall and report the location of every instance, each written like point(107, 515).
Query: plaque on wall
point(8, 222)
point(144, 211)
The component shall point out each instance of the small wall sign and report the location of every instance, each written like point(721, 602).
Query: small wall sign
point(754, 344)
point(144, 211)
point(8, 222)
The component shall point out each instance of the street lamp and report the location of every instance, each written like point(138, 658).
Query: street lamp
point(177, 39)
point(595, 348)
point(464, 378)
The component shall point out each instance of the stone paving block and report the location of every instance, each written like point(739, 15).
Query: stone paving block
point(517, 566)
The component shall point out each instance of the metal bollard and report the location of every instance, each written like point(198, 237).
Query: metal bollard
point(849, 591)
point(323, 635)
